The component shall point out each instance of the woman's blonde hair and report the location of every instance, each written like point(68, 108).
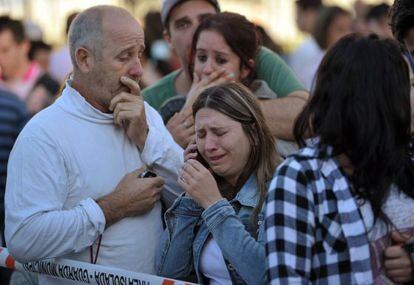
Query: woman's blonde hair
point(237, 102)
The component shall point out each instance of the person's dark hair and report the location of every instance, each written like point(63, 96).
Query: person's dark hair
point(377, 12)
point(326, 17)
point(361, 107)
point(267, 41)
point(14, 26)
point(402, 18)
point(167, 20)
point(69, 21)
point(36, 46)
point(237, 102)
point(240, 35)
point(152, 30)
point(309, 4)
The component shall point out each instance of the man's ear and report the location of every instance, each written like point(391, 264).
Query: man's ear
point(25, 45)
point(84, 59)
point(167, 38)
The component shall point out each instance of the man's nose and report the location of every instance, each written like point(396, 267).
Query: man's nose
point(135, 70)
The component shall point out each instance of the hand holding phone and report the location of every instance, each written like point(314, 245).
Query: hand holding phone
point(191, 152)
point(199, 183)
point(147, 174)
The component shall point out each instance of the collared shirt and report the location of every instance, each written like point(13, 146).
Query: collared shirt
point(314, 230)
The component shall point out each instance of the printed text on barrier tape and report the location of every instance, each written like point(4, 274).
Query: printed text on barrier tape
point(9, 260)
point(86, 273)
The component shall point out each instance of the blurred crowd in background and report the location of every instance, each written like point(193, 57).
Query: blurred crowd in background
point(321, 24)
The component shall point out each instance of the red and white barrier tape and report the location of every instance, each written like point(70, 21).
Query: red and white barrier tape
point(84, 272)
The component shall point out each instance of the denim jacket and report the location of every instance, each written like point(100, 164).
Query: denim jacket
point(189, 226)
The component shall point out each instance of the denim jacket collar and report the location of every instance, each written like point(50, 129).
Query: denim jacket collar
point(248, 195)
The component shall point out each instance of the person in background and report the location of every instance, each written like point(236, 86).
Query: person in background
point(402, 25)
point(21, 76)
point(332, 24)
point(305, 60)
point(159, 60)
point(332, 208)
point(378, 21)
point(216, 227)
point(60, 63)
point(40, 53)
point(181, 19)
point(267, 41)
point(359, 24)
point(13, 117)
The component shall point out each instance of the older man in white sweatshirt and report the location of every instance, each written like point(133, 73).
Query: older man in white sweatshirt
point(73, 189)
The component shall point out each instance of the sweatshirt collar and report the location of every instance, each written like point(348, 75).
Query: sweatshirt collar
point(74, 103)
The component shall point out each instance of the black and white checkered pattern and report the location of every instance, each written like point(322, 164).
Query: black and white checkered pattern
point(315, 233)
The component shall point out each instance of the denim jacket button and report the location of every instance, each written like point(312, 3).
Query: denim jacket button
point(230, 267)
point(259, 223)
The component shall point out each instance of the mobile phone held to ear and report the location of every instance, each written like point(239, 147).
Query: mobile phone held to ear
point(147, 174)
point(202, 160)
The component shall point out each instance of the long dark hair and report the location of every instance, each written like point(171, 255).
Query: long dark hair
point(402, 18)
point(237, 102)
point(361, 107)
point(240, 35)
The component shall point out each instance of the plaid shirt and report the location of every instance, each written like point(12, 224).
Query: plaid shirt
point(314, 230)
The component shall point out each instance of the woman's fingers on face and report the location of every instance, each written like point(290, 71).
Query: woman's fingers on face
point(190, 156)
point(190, 165)
point(196, 165)
point(212, 77)
point(196, 78)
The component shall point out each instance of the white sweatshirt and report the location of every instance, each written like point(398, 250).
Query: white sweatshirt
point(67, 156)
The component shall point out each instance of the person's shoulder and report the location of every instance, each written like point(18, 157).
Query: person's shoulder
point(308, 52)
point(264, 54)
point(47, 118)
point(48, 82)
point(304, 47)
point(261, 89)
point(309, 159)
point(12, 102)
point(157, 93)
point(40, 129)
point(164, 84)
